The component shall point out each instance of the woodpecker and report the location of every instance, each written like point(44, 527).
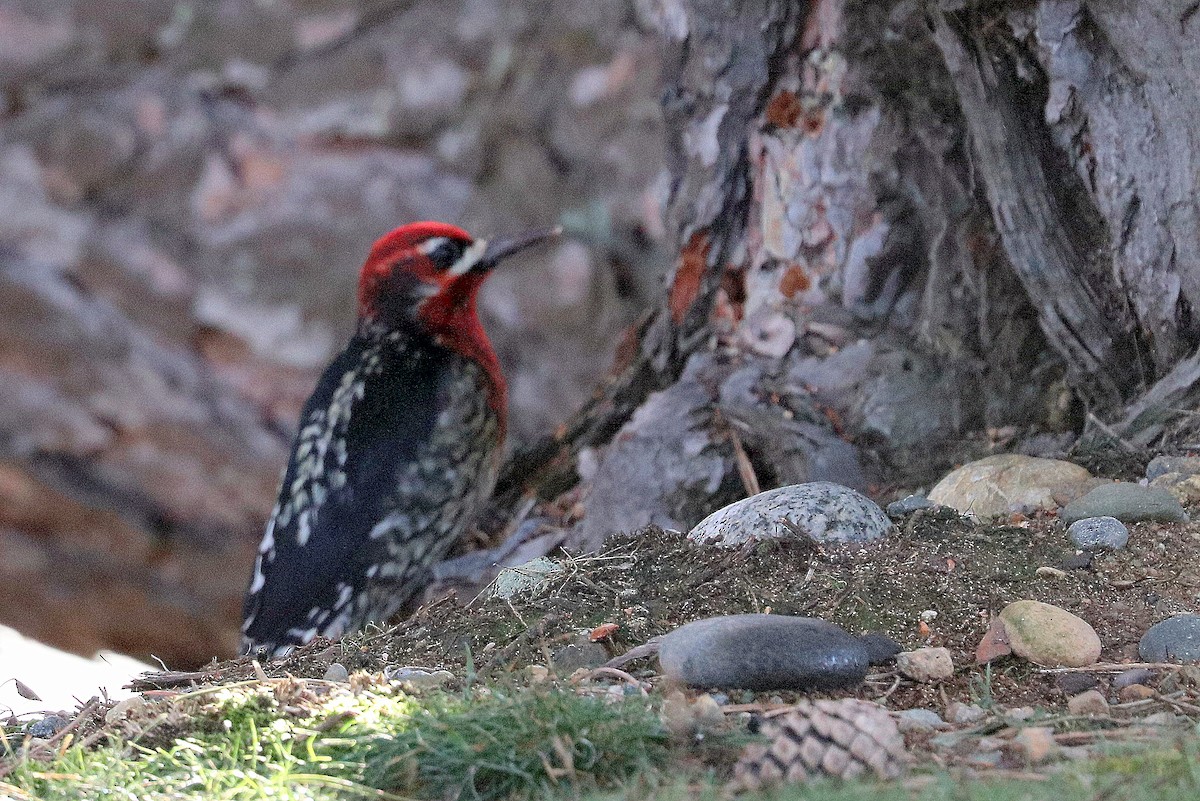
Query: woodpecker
point(398, 446)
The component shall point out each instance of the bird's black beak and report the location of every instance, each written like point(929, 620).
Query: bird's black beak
point(501, 247)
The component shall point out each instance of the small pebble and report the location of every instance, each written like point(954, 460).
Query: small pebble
point(1176, 639)
point(962, 714)
point(1019, 714)
point(1135, 676)
point(1079, 560)
point(576, 655)
point(1099, 533)
point(906, 506)
point(1088, 703)
point(1036, 744)
point(1135, 692)
point(48, 726)
point(1075, 683)
point(920, 720)
point(926, 664)
point(337, 672)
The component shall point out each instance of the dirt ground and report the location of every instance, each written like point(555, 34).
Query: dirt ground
point(936, 584)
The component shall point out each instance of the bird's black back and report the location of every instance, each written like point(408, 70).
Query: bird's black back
point(373, 410)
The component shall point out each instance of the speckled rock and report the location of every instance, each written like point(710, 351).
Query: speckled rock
point(1099, 533)
point(824, 511)
point(1049, 636)
point(1129, 503)
point(1176, 639)
point(763, 652)
point(1002, 485)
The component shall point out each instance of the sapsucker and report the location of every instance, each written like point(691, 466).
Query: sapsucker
point(398, 446)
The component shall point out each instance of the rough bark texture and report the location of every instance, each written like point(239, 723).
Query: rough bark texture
point(900, 230)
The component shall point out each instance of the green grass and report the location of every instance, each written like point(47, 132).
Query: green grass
point(281, 740)
point(245, 745)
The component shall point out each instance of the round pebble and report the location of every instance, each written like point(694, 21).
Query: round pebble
point(1129, 503)
point(1049, 636)
point(1176, 639)
point(337, 672)
point(763, 652)
point(820, 510)
point(926, 664)
point(1091, 702)
point(1099, 533)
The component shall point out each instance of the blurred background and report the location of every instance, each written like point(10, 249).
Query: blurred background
point(187, 191)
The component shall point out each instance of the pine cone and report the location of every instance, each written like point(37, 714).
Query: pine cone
point(843, 739)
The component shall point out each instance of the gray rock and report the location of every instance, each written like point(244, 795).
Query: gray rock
point(763, 652)
point(1075, 683)
point(48, 726)
point(1176, 639)
point(576, 655)
point(824, 511)
point(906, 506)
point(336, 672)
point(1161, 465)
point(1129, 503)
point(880, 647)
point(963, 714)
point(1099, 533)
point(920, 720)
point(1143, 676)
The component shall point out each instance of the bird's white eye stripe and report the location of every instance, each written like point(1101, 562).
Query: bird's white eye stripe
point(432, 244)
point(469, 258)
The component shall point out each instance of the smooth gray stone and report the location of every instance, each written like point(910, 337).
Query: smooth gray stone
point(763, 652)
point(1129, 503)
point(1161, 465)
point(1176, 639)
point(1136, 676)
point(1095, 533)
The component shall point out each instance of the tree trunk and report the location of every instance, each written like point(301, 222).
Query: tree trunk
point(934, 222)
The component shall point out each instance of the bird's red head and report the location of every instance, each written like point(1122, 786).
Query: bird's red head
point(426, 276)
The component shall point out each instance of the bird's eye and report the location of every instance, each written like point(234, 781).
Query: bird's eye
point(446, 253)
